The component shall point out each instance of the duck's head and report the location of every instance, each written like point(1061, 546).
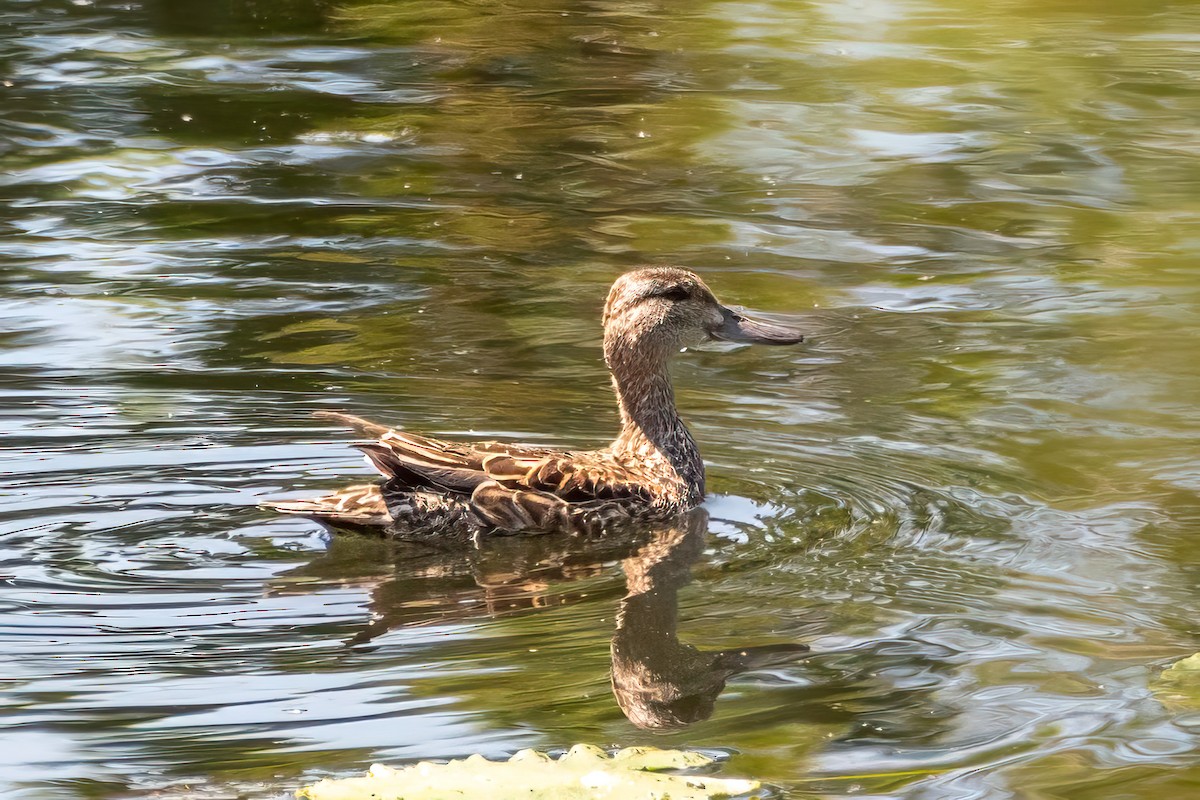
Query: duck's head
point(659, 310)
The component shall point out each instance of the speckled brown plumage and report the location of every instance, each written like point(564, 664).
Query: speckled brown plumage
point(651, 470)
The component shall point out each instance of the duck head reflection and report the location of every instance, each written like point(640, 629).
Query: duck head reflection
point(659, 682)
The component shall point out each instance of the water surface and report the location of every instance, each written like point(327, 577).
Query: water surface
point(974, 494)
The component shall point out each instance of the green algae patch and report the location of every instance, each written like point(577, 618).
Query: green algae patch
point(1178, 687)
point(583, 773)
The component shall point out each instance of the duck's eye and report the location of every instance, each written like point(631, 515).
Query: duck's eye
point(676, 294)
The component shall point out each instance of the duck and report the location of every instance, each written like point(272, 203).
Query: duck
point(652, 470)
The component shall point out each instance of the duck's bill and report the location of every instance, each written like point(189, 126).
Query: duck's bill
point(738, 327)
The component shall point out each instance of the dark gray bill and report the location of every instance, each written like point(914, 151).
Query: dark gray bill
point(737, 327)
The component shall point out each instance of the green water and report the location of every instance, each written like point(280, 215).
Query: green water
point(975, 493)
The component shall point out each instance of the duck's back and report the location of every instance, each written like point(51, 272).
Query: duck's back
point(435, 487)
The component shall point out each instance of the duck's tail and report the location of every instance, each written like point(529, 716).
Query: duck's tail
point(364, 427)
point(353, 507)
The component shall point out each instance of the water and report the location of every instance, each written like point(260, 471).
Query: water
point(974, 494)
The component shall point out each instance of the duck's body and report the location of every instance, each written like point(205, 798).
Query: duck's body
point(652, 470)
point(431, 486)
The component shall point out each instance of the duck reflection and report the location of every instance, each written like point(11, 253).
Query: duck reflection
point(659, 682)
point(420, 583)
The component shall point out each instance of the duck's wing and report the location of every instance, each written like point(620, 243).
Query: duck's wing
point(512, 489)
point(523, 510)
point(580, 477)
point(422, 462)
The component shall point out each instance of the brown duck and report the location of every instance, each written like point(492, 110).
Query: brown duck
point(652, 470)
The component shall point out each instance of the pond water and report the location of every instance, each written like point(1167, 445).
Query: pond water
point(975, 493)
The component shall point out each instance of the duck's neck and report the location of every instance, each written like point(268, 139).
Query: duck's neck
point(650, 423)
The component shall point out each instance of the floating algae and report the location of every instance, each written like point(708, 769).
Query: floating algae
point(583, 773)
point(1178, 687)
